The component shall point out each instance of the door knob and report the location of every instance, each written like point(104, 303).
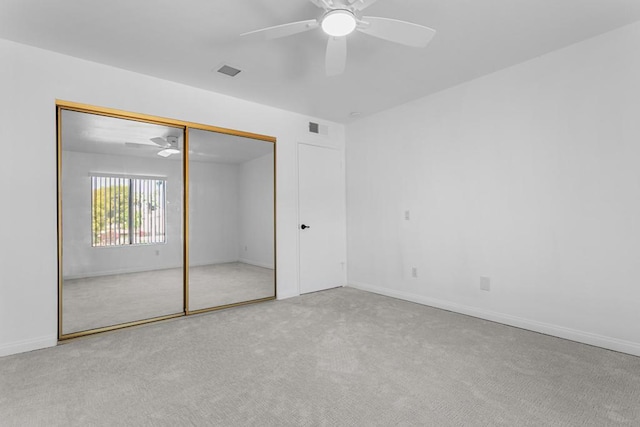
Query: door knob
point(305, 226)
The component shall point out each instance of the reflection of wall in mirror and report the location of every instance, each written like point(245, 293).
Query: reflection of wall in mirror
point(231, 215)
point(213, 213)
point(256, 212)
point(82, 260)
point(231, 212)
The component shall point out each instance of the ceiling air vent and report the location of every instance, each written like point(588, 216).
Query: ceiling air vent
point(228, 70)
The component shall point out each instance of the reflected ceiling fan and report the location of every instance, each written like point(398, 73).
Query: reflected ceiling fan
point(169, 145)
point(342, 17)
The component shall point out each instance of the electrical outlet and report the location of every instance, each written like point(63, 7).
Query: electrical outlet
point(485, 283)
point(245, 249)
point(414, 272)
point(157, 253)
point(407, 215)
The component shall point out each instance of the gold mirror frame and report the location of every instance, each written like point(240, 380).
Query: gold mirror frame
point(186, 126)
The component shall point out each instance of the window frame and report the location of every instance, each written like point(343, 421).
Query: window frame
point(131, 208)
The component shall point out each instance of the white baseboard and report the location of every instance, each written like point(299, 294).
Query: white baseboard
point(28, 345)
point(213, 262)
point(610, 343)
point(119, 271)
point(145, 270)
point(256, 263)
point(282, 296)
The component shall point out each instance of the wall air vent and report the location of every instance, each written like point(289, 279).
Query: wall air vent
point(318, 129)
point(228, 70)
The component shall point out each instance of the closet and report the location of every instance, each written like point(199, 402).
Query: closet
point(159, 218)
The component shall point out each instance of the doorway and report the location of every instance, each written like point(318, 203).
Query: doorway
point(321, 213)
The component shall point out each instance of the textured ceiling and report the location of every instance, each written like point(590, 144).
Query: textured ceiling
point(185, 40)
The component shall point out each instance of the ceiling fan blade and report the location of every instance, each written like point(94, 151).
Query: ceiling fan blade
point(161, 142)
point(322, 4)
point(336, 57)
point(361, 4)
point(164, 153)
point(283, 30)
point(394, 30)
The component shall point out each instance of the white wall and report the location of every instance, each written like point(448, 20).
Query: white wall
point(529, 176)
point(213, 213)
point(256, 212)
point(30, 81)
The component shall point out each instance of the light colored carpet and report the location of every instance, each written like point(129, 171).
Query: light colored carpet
point(342, 357)
point(94, 302)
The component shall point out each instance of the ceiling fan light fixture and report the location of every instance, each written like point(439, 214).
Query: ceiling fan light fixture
point(339, 23)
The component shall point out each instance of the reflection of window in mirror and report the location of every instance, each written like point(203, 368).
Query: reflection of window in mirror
point(127, 210)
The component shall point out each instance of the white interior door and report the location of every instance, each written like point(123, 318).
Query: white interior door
point(322, 220)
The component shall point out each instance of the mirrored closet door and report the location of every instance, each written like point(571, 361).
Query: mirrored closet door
point(231, 219)
point(121, 232)
point(159, 218)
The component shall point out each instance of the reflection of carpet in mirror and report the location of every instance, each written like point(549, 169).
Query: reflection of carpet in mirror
point(222, 284)
point(95, 302)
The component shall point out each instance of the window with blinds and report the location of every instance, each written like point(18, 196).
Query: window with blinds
point(127, 211)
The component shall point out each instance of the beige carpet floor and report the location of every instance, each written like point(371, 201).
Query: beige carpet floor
point(95, 302)
point(342, 357)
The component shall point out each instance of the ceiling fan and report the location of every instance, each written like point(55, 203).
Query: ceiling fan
point(171, 145)
point(168, 144)
point(339, 19)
